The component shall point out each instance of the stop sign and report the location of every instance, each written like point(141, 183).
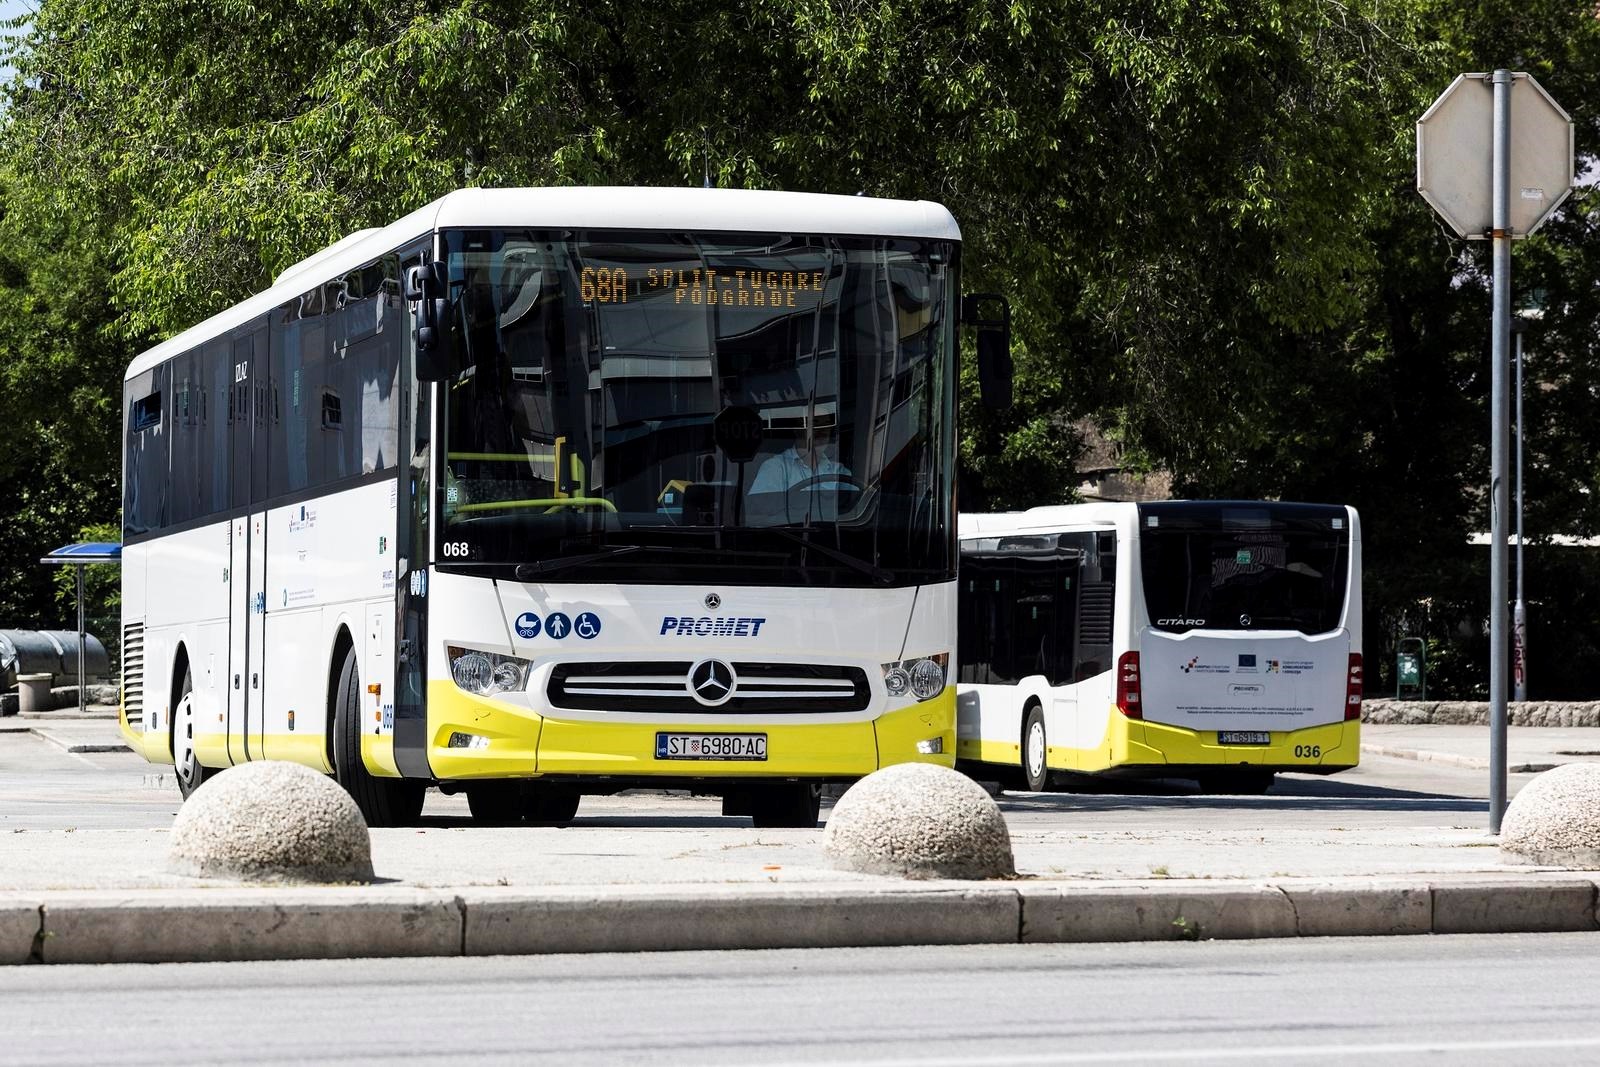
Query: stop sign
point(1455, 155)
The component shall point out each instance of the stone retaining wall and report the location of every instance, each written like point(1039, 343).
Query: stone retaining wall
point(1476, 712)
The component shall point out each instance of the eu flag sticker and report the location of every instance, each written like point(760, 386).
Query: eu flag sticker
point(1247, 659)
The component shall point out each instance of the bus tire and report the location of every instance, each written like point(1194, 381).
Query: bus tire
point(545, 804)
point(383, 801)
point(190, 772)
point(1035, 751)
point(495, 803)
point(790, 805)
point(1237, 783)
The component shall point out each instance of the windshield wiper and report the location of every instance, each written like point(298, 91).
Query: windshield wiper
point(871, 570)
point(526, 571)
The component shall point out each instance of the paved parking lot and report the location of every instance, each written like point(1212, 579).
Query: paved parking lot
point(99, 819)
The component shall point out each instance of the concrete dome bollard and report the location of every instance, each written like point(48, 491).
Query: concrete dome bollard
point(919, 820)
point(271, 822)
point(1555, 819)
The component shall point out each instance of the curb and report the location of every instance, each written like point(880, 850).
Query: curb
point(68, 744)
point(153, 926)
point(27, 725)
point(1476, 763)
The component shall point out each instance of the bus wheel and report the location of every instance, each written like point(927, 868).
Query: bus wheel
point(1035, 773)
point(495, 803)
point(191, 773)
point(383, 801)
point(1237, 783)
point(550, 805)
point(793, 804)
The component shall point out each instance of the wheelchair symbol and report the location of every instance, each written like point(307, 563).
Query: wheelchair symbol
point(587, 625)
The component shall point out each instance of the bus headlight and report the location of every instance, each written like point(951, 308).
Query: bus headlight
point(923, 678)
point(487, 673)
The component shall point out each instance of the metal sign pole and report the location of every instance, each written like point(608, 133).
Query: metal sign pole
point(1499, 448)
point(1519, 616)
point(1451, 146)
point(83, 698)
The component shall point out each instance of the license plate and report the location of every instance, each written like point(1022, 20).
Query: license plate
point(1243, 737)
point(745, 747)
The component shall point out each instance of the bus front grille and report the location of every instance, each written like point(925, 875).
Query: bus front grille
point(133, 674)
point(761, 688)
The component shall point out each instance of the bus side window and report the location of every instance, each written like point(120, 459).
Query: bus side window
point(1068, 580)
point(1096, 604)
point(144, 502)
point(188, 451)
point(1033, 645)
point(979, 637)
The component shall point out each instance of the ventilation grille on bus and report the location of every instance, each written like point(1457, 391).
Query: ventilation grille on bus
point(133, 674)
point(762, 688)
point(1096, 601)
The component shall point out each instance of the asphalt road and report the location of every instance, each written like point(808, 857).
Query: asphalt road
point(1457, 1000)
point(43, 787)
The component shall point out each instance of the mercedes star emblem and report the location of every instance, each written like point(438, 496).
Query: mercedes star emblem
point(711, 682)
point(713, 601)
point(1244, 620)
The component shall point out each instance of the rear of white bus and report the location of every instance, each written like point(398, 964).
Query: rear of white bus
point(1246, 651)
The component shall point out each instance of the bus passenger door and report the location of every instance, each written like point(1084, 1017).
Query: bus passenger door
point(1065, 730)
point(247, 405)
point(238, 624)
point(255, 639)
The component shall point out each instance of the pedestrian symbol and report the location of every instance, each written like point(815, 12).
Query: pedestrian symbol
point(527, 625)
point(557, 625)
point(587, 625)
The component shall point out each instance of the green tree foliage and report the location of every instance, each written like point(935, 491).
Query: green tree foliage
point(1202, 210)
point(60, 377)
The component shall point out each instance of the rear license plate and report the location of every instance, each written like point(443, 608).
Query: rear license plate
point(1243, 737)
point(745, 747)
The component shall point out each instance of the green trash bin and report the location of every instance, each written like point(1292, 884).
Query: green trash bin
point(1411, 669)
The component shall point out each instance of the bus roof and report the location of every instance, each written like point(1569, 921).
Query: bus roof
point(1097, 513)
point(1050, 517)
point(705, 210)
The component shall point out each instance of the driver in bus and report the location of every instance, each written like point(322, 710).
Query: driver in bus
point(803, 462)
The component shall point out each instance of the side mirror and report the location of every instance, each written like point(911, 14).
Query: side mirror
point(427, 288)
point(995, 371)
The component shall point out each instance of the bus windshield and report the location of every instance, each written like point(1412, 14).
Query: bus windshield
point(653, 407)
point(1244, 567)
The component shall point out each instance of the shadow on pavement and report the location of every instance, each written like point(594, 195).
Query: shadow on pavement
point(641, 821)
point(1360, 798)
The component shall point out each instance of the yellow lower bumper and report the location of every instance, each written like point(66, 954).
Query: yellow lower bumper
point(517, 742)
point(1136, 743)
point(154, 745)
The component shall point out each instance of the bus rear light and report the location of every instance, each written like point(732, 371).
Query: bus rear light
point(1128, 686)
point(1352, 689)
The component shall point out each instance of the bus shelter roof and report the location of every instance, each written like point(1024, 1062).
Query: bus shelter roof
point(85, 552)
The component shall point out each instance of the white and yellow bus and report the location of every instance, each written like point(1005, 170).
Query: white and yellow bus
point(1213, 640)
point(544, 492)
